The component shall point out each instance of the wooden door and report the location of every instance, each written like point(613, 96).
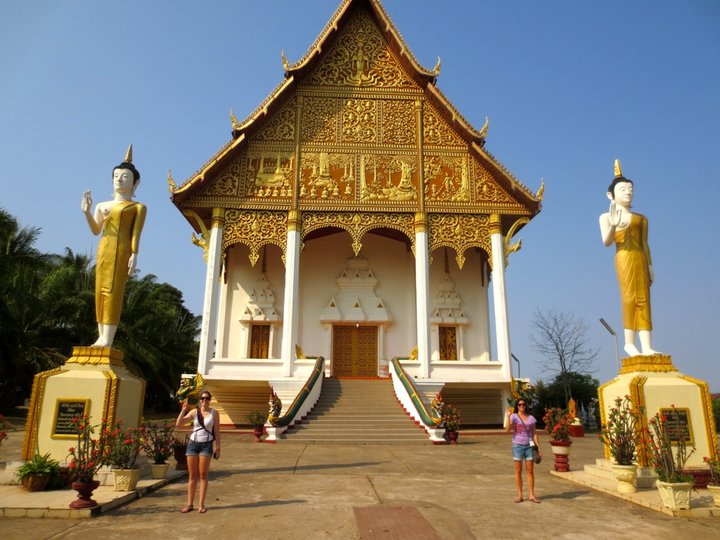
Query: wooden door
point(355, 351)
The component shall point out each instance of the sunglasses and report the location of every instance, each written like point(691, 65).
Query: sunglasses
point(522, 404)
point(205, 398)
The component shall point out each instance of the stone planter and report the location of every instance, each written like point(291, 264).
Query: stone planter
point(126, 479)
point(159, 470)
point(84, 494)
point(626, 475)
point(715, 491)
point(561, 452)
point(674, 495)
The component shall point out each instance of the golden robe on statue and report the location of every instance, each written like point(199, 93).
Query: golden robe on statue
point(120, 239)
point(632, 260)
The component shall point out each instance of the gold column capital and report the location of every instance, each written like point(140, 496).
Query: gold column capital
point(294, 220)
point(218, 217)
point(421, 222)
point(495, 224)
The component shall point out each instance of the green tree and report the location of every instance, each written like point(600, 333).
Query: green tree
point(552, 394)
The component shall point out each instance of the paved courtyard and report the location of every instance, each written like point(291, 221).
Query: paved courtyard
point(284, 491)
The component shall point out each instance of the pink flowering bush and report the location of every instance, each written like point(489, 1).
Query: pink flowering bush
point(157, 442)
point(622, 432)
point(668, 462)
point(123, 446)
point(88, 455)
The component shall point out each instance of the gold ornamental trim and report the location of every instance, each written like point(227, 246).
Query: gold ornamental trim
point(36, 401)
point(707, 406)
point(96, 356)
point(460, 232)
point(255, 229)
point(656, 363)
point(357, 224)
point(637, 396)
point(111, 396)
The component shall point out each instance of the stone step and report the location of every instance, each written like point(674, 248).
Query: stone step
point(603, 469)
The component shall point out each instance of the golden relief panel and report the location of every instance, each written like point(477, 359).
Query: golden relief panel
point(399, 122)
point(357, 224)
point(281, 126)
point(459, 232)
point(360, 57)
point(319, 119)
point(447, 178)
point(269, 173)
point(226, 184)
point(487, 189)
point(359, 121)
point(327, 175)
point(388, 177)
point(255, 229)
point(436, 131)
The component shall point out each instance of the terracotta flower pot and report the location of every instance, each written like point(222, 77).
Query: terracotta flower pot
point(84, 498)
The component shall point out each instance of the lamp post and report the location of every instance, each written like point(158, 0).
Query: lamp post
point(617, 346)
point(518, 363)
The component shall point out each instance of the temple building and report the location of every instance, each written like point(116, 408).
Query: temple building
point(356, 216)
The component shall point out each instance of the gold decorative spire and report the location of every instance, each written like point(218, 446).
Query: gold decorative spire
point(171, 182)
point(541, 190)
point(285, 63)
point(618, 169)
point(484, 129)
point(128, 154)
point(234, 120)
point(436, 69)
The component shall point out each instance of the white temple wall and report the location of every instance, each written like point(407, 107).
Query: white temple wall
point(475, 300)
point(321, 263)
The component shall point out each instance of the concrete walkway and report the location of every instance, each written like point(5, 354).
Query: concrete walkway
point(285, 491)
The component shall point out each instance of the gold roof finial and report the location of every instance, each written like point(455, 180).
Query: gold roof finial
point(484, 129)
point(436, 69)
point(234, 121)
point(541, 190)
point(171, 182)
point(285, 63)
point(618, 169)
point(128, 154)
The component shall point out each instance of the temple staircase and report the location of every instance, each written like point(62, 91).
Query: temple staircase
point(357, 411)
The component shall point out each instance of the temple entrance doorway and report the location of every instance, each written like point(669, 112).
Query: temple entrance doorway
point(355, 350)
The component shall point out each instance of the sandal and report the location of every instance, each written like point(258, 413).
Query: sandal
point(202, 510)
point(187, 508)
point(518, 499)
point(538, 501)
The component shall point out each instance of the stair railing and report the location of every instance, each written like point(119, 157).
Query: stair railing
point(306, 398)
point(407, 394)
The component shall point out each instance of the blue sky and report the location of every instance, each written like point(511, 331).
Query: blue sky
point(568, 86)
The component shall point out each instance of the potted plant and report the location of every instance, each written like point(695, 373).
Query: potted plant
point(714, 484)
point(673, 485)
point(157, 443)
point(85, 458)
point(621, 435)
point(557, 424)
point(123, 447)
point(451, 419)
point(4, 426)
point(257, 420)
point(179, 446)
point(35, 474)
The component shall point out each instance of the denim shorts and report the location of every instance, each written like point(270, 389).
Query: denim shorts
point(522, 451)
point(199, 448)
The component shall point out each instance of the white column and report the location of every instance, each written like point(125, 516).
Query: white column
point(422, 293)
point(290, 304)
point(502, 332)
point(208, 329)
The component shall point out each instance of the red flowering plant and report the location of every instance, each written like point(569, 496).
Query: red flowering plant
point(157, 442)
point(622, 432)
point(88, 455)
point(122, 445)
point(668, 462)
point(714, 464)
point(557, 424)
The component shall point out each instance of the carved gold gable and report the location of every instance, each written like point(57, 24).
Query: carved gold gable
point(361, 57)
